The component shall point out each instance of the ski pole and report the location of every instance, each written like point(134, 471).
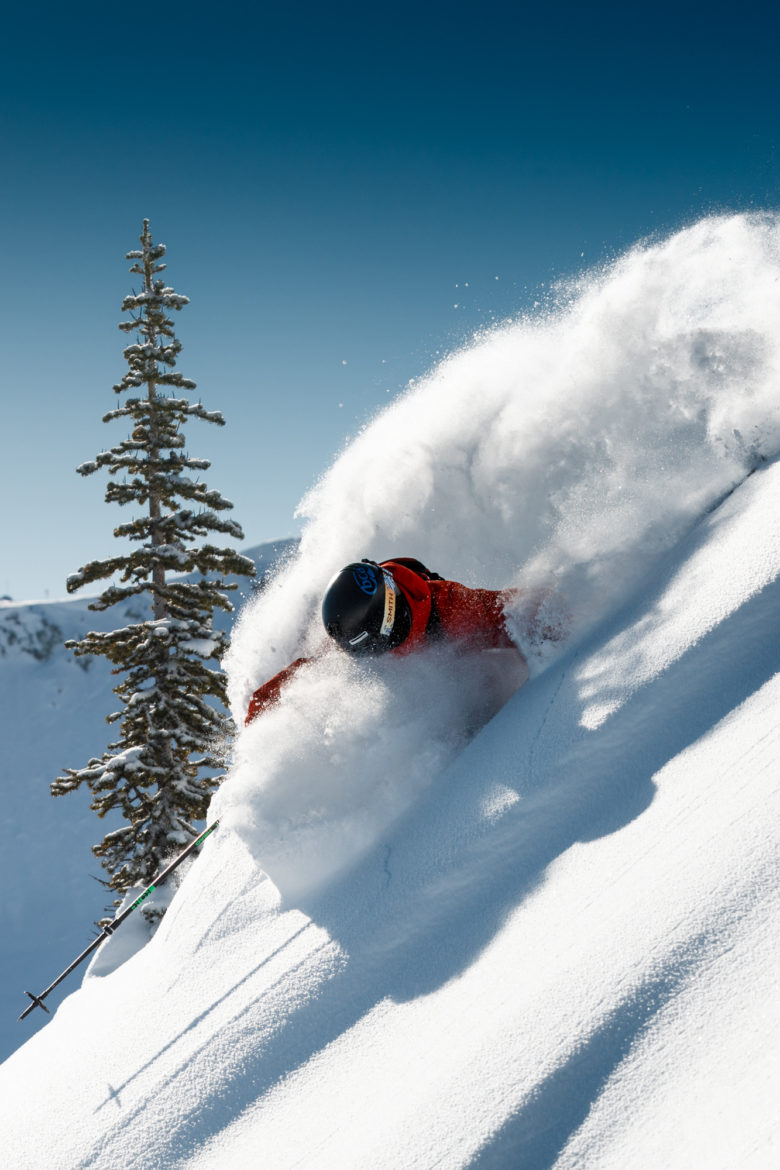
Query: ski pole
point(107, 931)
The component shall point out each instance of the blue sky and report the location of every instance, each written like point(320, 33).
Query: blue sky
point(345, 193)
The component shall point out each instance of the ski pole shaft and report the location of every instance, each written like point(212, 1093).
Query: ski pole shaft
point(37, 1000)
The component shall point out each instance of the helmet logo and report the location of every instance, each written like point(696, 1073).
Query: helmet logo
point(365, 579)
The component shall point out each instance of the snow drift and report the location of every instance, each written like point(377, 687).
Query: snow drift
point(546, 943)
point(572, 449)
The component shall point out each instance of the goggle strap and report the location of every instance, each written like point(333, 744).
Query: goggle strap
point(391, 591)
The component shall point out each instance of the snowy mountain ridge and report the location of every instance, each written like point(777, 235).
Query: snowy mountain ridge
point(434, 933)
point(31, 631)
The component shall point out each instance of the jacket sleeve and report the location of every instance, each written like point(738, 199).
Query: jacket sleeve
point(475, 616)
point(268, 694)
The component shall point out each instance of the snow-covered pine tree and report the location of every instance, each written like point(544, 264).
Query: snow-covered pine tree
point(168, 731)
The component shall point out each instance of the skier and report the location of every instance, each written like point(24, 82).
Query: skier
point(399, 606)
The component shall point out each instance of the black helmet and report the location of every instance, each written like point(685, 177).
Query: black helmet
point(364, 610)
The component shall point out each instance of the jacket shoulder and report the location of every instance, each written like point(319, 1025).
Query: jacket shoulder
point(416, 567)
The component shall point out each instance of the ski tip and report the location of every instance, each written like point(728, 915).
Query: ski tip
point(36, 1002)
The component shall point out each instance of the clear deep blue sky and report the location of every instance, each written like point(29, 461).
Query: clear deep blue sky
point(335, 184)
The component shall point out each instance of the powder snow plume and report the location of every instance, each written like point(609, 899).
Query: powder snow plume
point(570, 449)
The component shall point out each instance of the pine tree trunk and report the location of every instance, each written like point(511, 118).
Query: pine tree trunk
point(159, 605)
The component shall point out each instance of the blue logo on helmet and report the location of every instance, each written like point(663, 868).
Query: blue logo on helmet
point(365, 579)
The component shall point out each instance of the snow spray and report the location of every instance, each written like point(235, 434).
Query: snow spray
point(571, 448)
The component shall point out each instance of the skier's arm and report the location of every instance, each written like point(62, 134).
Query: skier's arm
point(475, 616)
point(268, 694)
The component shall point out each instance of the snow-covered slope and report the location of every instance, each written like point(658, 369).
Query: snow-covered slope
point(548, 942)
point(54, 707)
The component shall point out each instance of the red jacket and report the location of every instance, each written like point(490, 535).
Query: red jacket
point(449, 610)
point(440, 609)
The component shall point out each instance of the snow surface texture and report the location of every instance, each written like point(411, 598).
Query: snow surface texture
point(548, 943)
